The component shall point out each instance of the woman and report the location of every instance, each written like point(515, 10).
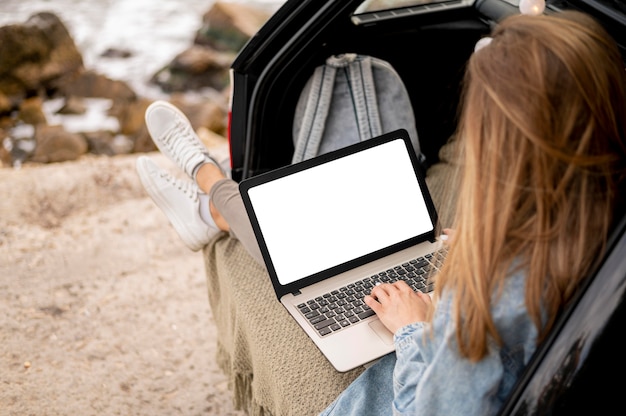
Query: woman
point(542, 133)
point(544, 149)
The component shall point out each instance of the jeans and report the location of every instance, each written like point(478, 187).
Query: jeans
point(369, 394)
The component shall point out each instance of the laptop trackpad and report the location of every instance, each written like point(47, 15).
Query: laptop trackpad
point(381, 330)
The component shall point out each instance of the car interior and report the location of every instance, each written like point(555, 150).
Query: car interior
point(426, 41)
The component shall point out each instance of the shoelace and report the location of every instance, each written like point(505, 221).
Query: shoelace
point(188, 188)
point(184, 146)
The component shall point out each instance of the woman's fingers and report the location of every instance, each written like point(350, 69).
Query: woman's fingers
point(377, 296)
point(397, 305)
point(384, 292)
point(424, 297)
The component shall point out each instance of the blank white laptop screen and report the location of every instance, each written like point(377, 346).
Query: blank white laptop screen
point(327, 215)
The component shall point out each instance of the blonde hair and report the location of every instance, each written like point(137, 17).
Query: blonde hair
point(542, 133)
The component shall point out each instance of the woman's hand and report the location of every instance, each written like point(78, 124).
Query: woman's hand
point(397, 305)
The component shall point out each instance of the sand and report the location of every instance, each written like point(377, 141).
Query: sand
point(103, 309)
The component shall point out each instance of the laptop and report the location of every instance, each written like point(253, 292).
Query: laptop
point(333, 226)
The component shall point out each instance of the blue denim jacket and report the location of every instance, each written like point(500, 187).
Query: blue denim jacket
point(427, 376)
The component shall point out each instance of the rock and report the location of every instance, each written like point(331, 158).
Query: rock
point(5, 158)
point(116, 53)
point(5, 148)
point(73, 105)
point(54, 144)
point(225, 30)
point(210, 114)
point(91, 84)
point(5, 104)
point(144, 143)
point(39, 61)
point(132, 123)
point(99, 142)
point(195, 68)
point(19, 138)
point(31, 112)
point(130, 114)
point(35, 56)
point(106, 143)
point(199, 60)
point(228, 26)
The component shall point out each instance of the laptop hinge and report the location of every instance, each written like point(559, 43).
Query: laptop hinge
point(296, 293)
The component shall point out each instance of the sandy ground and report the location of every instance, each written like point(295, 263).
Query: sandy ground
point(103, 310)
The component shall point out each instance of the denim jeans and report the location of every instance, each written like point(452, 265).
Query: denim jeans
point(369, 394)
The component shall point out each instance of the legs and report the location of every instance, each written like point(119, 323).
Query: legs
point(370, 393)
point(207, 176)
point(201, 207)
point(226, 199)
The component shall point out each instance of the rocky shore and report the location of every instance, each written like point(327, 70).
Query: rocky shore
point(40, 63)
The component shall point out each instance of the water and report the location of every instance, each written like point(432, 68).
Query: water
point(154, 31)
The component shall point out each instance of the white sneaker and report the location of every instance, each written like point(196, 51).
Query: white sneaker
point(172, 133)
point(179, 201)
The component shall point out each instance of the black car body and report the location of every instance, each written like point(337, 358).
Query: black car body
point(579, 367)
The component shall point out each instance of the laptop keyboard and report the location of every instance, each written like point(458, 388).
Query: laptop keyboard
point(344, 307)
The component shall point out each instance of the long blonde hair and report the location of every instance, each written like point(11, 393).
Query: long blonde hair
point(542, 133)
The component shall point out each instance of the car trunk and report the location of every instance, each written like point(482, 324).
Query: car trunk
point(427, 50)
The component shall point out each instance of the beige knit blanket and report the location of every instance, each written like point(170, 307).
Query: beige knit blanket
point(273, 366)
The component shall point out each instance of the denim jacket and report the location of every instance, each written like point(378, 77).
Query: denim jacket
point(431, 378)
